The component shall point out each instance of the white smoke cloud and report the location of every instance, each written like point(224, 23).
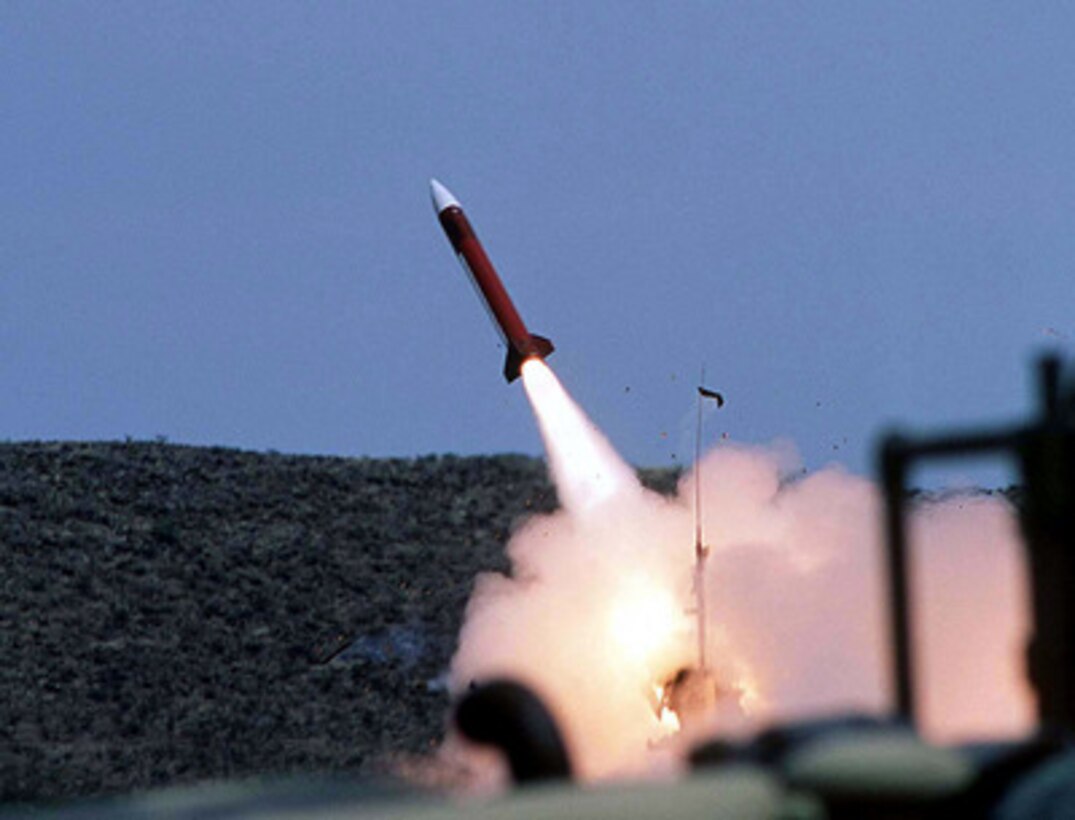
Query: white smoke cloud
point(973, 606)
point(595, 612)
point(795, 582)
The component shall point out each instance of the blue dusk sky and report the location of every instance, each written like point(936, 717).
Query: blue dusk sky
point(215, 222)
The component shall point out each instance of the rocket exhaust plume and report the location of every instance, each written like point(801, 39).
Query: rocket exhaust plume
point(585, 468)
point(595, 616)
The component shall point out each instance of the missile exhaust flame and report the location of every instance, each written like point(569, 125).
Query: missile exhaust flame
point(594, 614)
point(644, 619)
point(585, 468)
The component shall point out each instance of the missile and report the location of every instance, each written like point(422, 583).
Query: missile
point(520, 342)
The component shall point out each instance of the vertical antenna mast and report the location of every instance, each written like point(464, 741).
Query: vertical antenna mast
point(700, 549)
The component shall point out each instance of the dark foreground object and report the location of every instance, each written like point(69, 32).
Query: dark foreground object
point(511, 718)
point(1043, 449)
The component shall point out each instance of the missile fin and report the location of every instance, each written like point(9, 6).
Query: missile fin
point(542, 346)
point(513, 365)
point(537, 346)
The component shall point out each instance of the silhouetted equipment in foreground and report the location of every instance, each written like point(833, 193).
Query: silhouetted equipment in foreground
point(1044, 451)
point(511, 718)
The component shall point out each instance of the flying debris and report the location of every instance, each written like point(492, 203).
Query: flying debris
point(521, 343)
point(706, 393)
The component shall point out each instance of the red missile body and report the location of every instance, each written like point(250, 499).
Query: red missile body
point(521, 343)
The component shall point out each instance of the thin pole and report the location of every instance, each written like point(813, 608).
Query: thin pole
point(699, 540)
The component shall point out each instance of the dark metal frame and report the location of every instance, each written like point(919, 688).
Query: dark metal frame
point(1045, 452)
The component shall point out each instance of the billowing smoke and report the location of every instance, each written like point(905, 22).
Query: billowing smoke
point(595, 614)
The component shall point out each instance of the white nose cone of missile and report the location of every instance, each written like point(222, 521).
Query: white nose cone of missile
point(442, 197)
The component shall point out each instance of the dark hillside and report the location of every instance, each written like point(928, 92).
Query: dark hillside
point(172, 613)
